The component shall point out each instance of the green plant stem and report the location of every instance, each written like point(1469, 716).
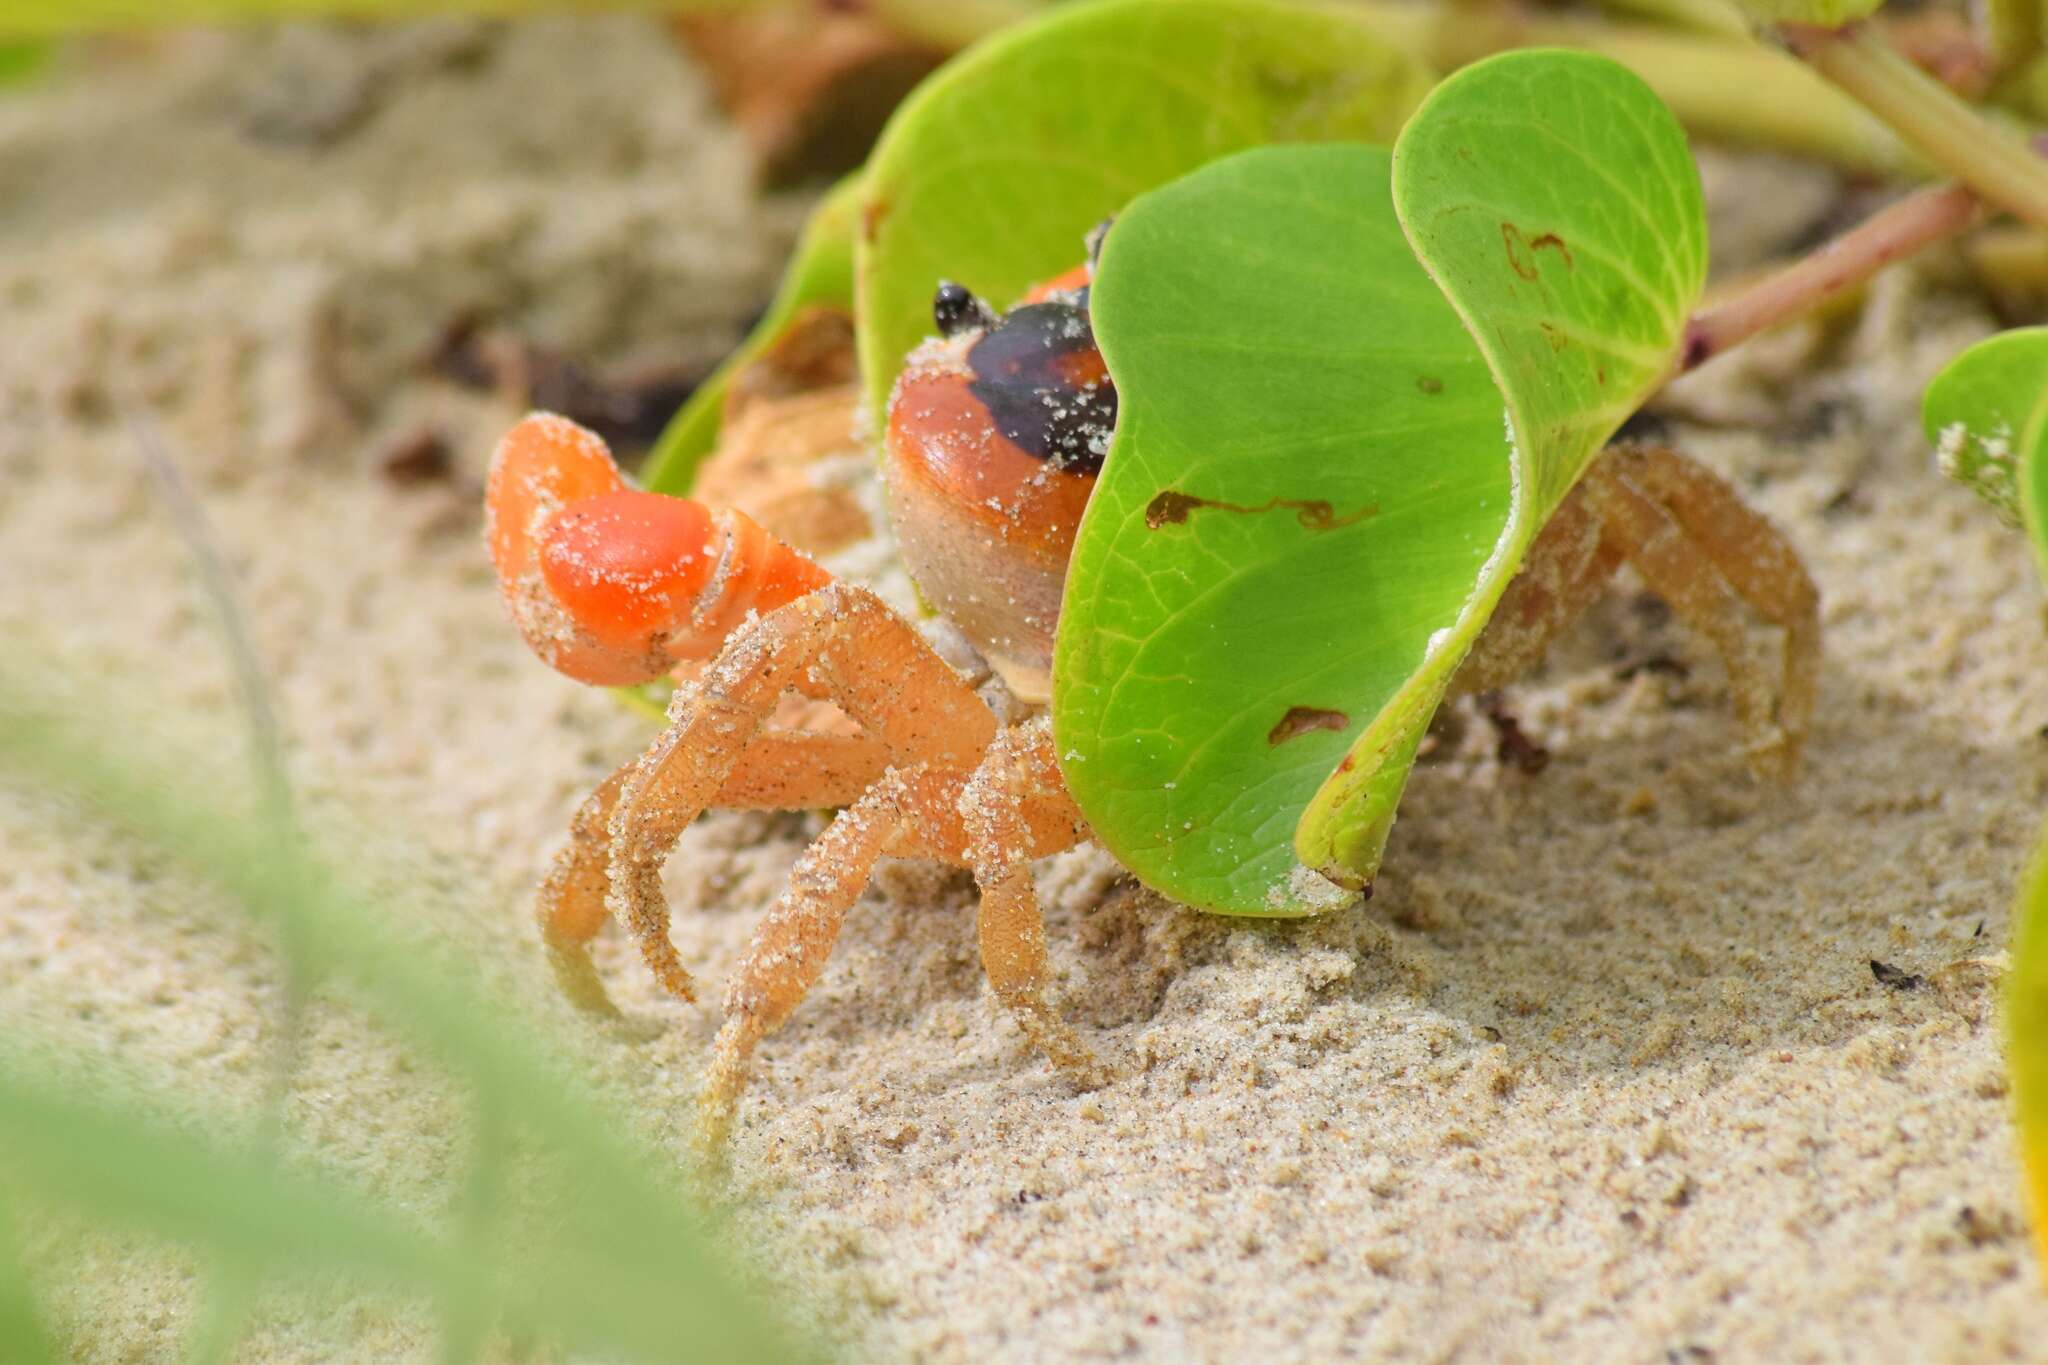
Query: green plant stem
point(1918, 221)
point(1715, 17)
point(1987, 156)
point(1734, 91)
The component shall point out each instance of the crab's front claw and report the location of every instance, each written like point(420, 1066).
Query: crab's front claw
point(612, 585)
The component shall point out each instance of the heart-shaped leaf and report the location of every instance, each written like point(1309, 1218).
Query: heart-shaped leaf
point(1553, 198)
point(1326, 468)
point(995, 169)
point(1309, 471)
point(819, 273)
point(2026, 1031)
point(1987, 415)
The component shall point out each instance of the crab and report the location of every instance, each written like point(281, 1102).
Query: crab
point(996, 430)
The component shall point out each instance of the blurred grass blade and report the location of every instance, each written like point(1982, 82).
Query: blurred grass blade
point(50, 18)
point(202, 1192)
point(610, 1260)
point(22, 1337)
point(18, 61)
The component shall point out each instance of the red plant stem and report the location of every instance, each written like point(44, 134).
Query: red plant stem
point(1913, 223)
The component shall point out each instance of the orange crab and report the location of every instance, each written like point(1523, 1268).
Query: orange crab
point(995, 432)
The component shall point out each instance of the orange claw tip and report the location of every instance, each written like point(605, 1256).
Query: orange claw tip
point(543, 464)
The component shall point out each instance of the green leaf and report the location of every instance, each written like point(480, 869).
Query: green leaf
point(820, 273)
point(1326, 468)
point(1552, 197)
point(1308, 472)
point(22, 1337)
point(994, 170)
point(2026, 1031)
point(1987, 415)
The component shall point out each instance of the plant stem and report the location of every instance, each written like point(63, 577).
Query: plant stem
point(1988, 157)
point(1715, 17)
point(2012, 257)
point(1730, 90)
point(1918, 221)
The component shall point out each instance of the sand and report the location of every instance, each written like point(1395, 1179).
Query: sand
point(1602, 1071)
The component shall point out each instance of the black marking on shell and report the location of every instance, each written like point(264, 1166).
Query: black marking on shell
point(1029, 394)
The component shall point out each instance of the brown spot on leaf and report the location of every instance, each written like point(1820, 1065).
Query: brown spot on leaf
point(1520, 259)
point(1522, 250)
point(1555, 243)
point(1300, 720)
point(1429, 383)
point(1170, 507)
point(871, 215)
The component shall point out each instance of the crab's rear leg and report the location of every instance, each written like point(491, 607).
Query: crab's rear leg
point(1758, 563)
point(1566, 568)
point(1698, 548)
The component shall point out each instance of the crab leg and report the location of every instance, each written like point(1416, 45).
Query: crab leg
point(911, 811)
point(1563, 572)
point(1016, 808)
point(1681, 573)
point(782, 770)
point(1758, 562)
point(841, 640)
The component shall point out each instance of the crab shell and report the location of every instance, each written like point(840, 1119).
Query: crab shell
point(994, 441)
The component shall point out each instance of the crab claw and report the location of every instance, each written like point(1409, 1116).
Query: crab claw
point(612, 585)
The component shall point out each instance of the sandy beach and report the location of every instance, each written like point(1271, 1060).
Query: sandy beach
point(1602, 1072)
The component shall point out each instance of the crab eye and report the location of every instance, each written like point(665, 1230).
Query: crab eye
point(956, 310)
